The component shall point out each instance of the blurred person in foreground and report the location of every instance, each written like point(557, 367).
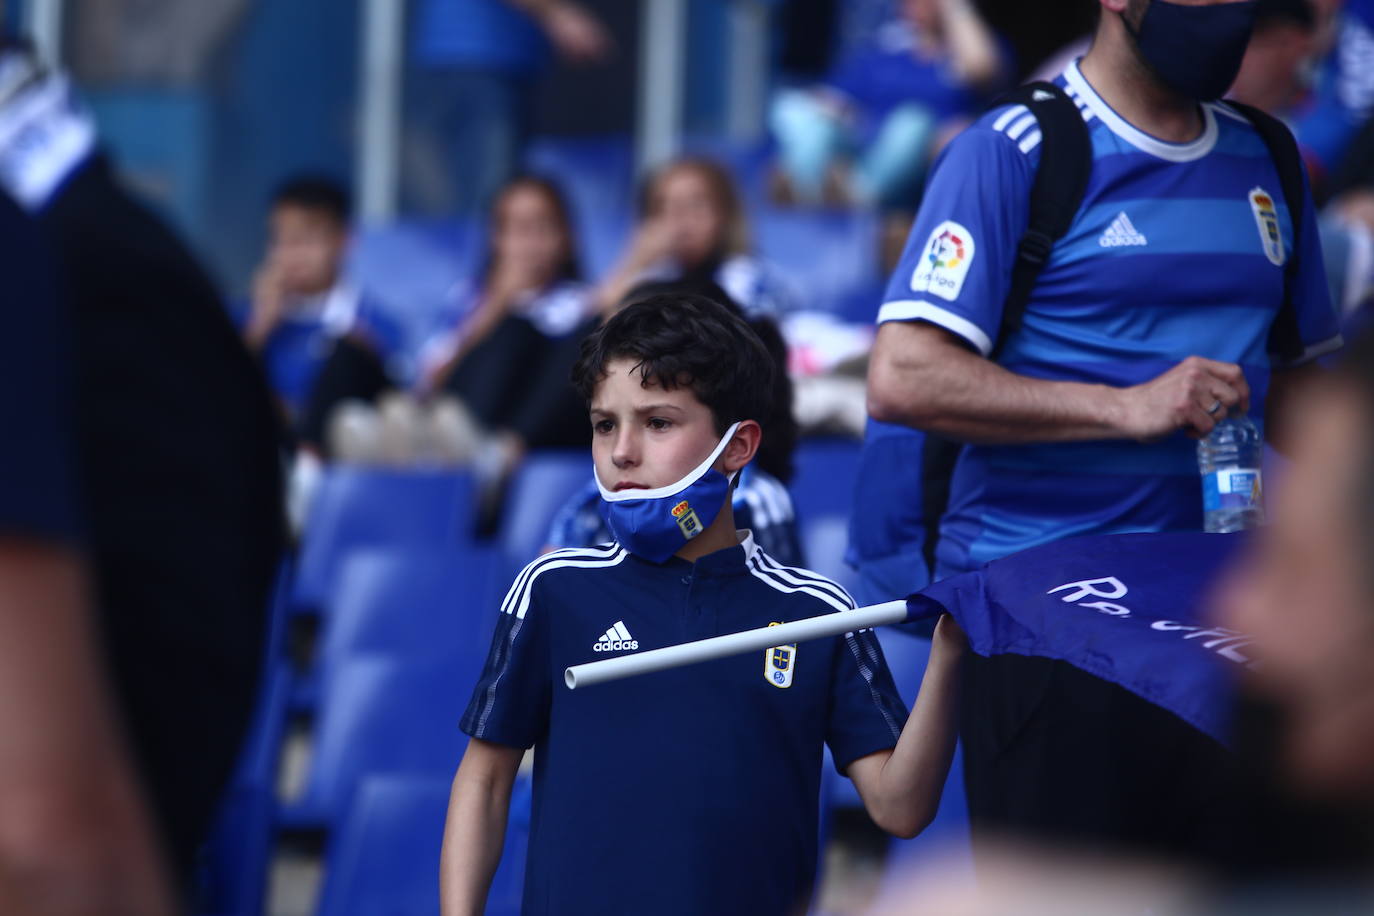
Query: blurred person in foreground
point(1303, 594)
point(301, 301)
point(693, 229)
point(1306, 593)
point(176, 512)
point(76, 836)
point(865, 134)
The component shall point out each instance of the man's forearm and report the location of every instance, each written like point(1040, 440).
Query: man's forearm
point(919, 376)
point(970, 399)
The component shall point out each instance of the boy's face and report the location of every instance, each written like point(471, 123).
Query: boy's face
point(646, 437)
point(306, 249)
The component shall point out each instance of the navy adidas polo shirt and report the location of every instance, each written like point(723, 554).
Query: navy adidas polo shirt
point(687, 791)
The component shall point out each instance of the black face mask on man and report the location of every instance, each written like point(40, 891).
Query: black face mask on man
point(1194, 50)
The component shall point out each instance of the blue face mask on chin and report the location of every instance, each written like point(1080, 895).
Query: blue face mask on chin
point(1195, 50)
point(654, 524)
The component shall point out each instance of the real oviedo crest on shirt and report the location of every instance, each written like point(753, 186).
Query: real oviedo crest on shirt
point(1267, 219)
point(778, 664)
point(944, 262)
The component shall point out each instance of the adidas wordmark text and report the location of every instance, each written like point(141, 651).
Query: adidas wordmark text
point(616, 639)
point(1121, 233)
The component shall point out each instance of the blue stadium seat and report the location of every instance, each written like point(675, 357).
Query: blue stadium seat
point(385, 858)
point(830, 256)
point(233, 876)
point(826, 468)
point(416, 603)
point(544, 482)
point(383, 714)
point(410, 268)
point(822, 492)
point(369, 507)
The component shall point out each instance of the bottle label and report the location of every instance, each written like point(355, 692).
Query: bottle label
point(1232, 488)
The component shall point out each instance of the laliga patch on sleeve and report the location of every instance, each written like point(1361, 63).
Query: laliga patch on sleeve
point(944, 262)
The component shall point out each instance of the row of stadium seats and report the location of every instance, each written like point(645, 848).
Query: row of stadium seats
point(400, 599)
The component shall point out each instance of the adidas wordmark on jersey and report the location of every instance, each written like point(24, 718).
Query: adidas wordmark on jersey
point(1121, 233)
point(616, 639)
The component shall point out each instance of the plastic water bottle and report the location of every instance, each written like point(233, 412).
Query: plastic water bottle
point(1229, 459)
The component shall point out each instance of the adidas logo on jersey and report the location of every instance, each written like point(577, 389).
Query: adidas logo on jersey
point(1121, 233)
point(616, 639)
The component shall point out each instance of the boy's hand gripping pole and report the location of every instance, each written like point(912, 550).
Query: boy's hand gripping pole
point(702, 650)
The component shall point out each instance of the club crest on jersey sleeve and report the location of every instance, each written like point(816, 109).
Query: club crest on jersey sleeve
point(944, 262)
point(1267, 219)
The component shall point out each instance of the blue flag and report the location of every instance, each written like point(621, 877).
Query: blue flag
point(1128, 608)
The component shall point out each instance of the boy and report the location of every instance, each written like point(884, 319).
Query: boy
point(301, 302)
point(690, 791)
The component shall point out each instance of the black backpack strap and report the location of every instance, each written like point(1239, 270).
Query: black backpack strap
point(1066, 159)
point(1285, 340)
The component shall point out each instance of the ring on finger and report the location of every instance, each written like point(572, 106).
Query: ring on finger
point(1216, 405)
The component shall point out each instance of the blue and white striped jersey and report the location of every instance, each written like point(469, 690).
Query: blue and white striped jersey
point(1177, 250)
point(695, 790)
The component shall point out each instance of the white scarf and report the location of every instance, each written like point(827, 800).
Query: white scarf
point(44, 136)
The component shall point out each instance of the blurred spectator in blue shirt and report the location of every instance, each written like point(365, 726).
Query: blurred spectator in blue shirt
point(1343, 97)
point(475, 63)
point(301, 302)
point(1276, 76)
point(885, 106)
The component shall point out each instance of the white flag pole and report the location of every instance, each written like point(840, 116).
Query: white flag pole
point(611, 669)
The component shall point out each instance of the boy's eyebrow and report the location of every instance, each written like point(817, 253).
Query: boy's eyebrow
point(640, 409)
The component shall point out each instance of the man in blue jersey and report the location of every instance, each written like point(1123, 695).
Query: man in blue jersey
point(1154, 315)
point(695, 790)
point(1167, 304)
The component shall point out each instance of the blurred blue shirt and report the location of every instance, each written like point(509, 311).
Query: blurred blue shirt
point(478, 35)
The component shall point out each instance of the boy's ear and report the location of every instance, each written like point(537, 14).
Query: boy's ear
point(742, 447)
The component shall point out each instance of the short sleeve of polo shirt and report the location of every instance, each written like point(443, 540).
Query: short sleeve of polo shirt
point(866, 712)
point(510, 704)
point(1318, 326)
point(956, 269)
point(37, 464)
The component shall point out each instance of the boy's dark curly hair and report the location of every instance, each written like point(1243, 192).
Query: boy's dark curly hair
point(685, 340)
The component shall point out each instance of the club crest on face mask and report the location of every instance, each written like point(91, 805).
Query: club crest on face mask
point(654, 524)
point(1194, 50)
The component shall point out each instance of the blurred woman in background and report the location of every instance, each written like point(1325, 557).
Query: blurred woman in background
point(692, 229)
point(492, 376)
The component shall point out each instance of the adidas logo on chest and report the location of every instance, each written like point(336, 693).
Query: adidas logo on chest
point(616, 639)
point(1122, 233)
